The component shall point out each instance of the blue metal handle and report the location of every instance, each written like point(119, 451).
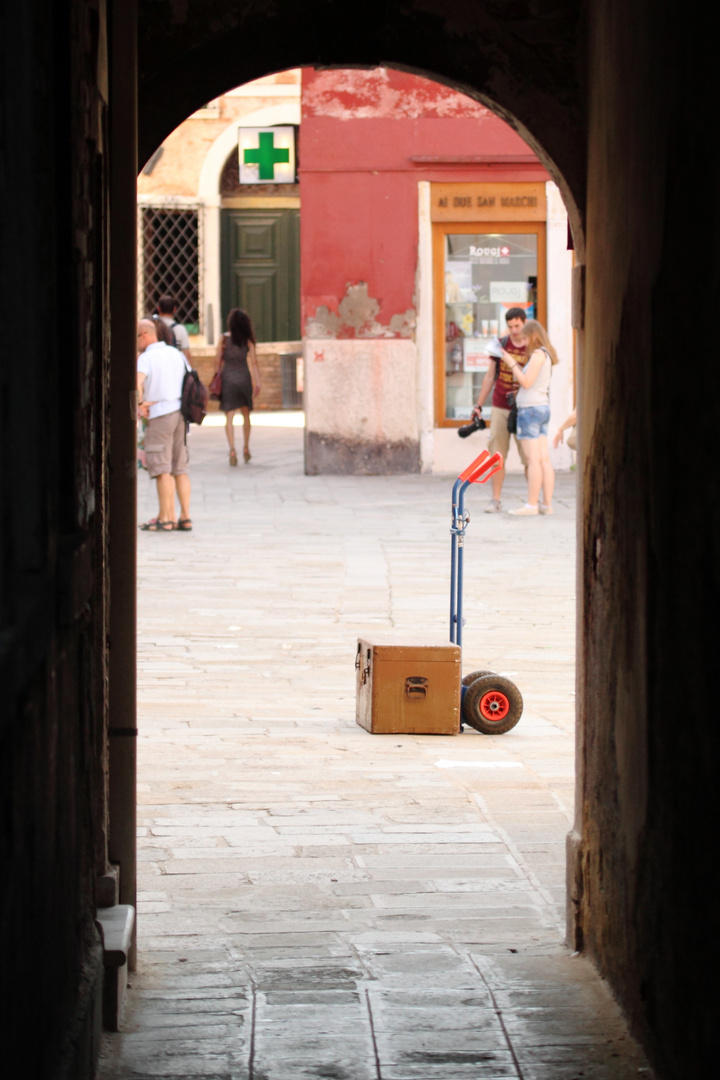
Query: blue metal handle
point(457, 543)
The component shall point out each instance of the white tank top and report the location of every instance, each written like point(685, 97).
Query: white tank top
point(537, 394)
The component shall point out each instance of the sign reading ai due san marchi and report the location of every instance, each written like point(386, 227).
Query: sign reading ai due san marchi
point(267, 155)
point(503, 201)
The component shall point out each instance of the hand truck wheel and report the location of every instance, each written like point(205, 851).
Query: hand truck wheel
point(492, 705)
point(469, 679)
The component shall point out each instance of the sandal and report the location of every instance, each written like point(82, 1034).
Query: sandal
point(233, 457)
point(184, 525)
point(246, 455)
point(158, 526)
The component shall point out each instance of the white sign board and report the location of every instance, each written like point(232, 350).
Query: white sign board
point(475, 354)
point(509, 292)
point(267, 155)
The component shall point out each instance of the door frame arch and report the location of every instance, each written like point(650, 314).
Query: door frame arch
point(210, 199)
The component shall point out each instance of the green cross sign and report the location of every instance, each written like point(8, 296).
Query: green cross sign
point(266, 156)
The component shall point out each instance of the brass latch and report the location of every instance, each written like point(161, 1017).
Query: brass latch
point(358, 661)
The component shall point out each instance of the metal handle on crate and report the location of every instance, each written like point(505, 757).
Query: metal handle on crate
point(416, 688)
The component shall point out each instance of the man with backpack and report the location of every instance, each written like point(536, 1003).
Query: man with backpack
point(161, 370)
point(166, 309)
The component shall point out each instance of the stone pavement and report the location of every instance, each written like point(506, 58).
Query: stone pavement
point(316, 901)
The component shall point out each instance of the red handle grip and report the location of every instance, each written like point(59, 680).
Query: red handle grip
point(488, 469)
point(482, 468)
point(466, 474)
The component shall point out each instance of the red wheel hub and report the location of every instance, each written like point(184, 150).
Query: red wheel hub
point(494, 705)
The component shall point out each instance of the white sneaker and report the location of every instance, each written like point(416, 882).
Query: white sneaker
point(494, 507)
point(524, 511)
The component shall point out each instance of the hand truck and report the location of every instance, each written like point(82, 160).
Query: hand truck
point(490, 703)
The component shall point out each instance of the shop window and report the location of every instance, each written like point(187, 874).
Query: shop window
point(482, 271)
point(169, 261)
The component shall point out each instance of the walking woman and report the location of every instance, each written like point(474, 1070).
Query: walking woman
point(236, 361)
point(533, 414)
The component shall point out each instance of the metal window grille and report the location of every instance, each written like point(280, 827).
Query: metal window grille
point(169, 260)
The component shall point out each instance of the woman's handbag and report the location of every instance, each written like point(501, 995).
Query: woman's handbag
point(215, 388)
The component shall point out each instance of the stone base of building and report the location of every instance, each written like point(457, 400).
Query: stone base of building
point(327, 454)
point(360, 406)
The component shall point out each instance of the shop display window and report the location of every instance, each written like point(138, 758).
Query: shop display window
point(484, 274)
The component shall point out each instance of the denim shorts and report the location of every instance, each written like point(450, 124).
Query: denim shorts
point(532, 421)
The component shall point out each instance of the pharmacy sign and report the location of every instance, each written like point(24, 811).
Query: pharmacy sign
point(267, 155)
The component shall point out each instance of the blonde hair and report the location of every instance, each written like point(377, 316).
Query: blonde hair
point(537, 338)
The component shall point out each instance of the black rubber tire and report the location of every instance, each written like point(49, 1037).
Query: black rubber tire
point(469, 679)
point(472, 713)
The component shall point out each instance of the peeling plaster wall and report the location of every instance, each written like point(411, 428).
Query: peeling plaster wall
point(383, 93)
point(356, 316)
point(361, 133)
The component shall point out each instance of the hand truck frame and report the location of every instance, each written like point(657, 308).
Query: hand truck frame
point(491, 703)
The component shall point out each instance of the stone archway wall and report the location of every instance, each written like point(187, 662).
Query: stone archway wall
point(596, 87)
point(613, 95)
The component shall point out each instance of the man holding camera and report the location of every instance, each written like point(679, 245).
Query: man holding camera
point(500, 377)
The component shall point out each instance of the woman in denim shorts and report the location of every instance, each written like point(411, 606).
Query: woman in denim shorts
point(533, 414)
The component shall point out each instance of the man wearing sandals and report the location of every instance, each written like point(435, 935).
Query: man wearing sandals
point(160, 372)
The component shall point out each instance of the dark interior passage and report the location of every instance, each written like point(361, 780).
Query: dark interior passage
point(613, 100)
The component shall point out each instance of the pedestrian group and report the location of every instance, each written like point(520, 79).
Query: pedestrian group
point(162, 365)
point(519, 379)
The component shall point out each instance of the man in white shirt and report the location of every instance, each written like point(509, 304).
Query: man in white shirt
point(167, 307)
point(160, 373)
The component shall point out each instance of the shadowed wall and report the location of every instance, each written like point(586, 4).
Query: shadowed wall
point(637, 164)
point(54, 604)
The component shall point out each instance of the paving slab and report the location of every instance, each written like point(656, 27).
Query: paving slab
point(315, 901)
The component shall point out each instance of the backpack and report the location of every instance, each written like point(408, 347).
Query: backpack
point(172, 326)
point(194, 398)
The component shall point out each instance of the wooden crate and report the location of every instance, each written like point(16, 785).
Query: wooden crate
point(407, 686)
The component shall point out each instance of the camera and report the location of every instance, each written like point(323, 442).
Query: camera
point(476, 424)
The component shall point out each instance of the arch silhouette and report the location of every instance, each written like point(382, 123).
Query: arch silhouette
point(536, 87)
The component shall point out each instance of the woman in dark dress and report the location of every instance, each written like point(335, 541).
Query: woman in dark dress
point(236, 360)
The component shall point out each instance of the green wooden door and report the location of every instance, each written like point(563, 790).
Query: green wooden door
point(260, 262)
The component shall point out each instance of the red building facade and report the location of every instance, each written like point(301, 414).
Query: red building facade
point(386, 160)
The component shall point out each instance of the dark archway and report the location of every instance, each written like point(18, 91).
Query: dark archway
point(569, 79)
point(533, 81)
point(611, 90)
